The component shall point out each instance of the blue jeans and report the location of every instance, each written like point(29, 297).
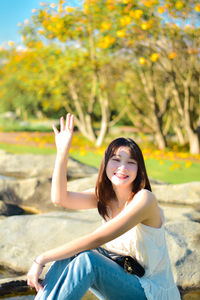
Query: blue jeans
point(69, 279)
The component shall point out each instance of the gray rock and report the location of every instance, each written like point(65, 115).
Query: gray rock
point(24, 237)
point(82, 184)
point(180, 213)
point(186, 193)
point(183, 240)
point(34, 193)
point(30, 165)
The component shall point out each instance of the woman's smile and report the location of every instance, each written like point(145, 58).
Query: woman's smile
point(121, 176)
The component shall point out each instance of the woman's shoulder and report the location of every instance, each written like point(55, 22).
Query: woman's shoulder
point(145, 194)
point(148, 202)
point(146, 198)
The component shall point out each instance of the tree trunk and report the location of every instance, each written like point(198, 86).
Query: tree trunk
point(160, 140)
point(179, 134)
point(104, 120)
point(150, 91)
point(193, 141)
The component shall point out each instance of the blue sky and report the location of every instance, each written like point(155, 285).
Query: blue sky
point(13, 12)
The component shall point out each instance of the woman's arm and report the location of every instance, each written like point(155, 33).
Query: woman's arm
point(59, 193)
point(142, 208)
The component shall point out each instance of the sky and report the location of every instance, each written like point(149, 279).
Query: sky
point(13, 12)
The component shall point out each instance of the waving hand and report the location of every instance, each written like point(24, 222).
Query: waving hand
point(63, 138)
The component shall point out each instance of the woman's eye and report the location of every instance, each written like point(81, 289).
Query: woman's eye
point(115, 159)
point(132, 162)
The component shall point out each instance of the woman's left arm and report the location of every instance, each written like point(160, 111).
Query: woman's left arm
point(139, 210)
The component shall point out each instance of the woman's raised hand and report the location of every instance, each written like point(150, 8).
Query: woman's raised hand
point(63, 138)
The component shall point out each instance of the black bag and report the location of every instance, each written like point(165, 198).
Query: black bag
point(128, 263)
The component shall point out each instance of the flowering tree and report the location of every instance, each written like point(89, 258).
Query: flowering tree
point(92, 58)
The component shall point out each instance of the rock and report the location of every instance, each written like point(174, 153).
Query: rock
point(30, 165)
point(24, 237)
point(18, 286)
point(10, 286)
point(186, 193)
point(35, 193)
point(183, 240)
point(82, 184)
point(180, 213)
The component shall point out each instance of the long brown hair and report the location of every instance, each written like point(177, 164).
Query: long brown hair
point(104, 190)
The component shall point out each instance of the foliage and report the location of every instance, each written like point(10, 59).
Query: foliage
point(106, 60)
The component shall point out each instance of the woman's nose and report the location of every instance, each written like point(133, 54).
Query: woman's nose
point(123, 166)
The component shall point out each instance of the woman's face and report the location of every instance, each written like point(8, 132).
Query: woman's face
point(121, 168)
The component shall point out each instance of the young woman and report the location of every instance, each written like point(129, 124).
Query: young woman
point(133, 224)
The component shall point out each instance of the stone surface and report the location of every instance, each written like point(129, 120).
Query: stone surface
point(183, 240)
point(186, 193)
point(24, 237)
point(30, 165)
point(34, 193)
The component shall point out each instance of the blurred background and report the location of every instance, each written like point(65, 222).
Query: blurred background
point(124, 67)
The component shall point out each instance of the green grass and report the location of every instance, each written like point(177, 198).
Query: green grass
point(180, 174)
point(23, 149)
point(162, 172)
point(8, 125)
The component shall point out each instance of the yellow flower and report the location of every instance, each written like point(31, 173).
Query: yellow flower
point(121, 33)
point(105, 26)
point(86, 8)
point(176, 165)
point(148, 3)
point(179, 4)
point(59, 26)
point(69, 9)
point(161, 162)
point(136, 14)
point(142, 60)
point(11, 43)
point(171, 168)
point(172, 55)
point(60, 9)
point(106, 42)
point(145, 26)
point(125, 21)
point(161, 10)
point(197, 7)
point(154, 57)
point(188, 164)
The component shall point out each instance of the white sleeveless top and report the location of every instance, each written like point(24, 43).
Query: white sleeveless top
point(149, 246)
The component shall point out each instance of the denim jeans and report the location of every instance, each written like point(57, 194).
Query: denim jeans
point(69, 279)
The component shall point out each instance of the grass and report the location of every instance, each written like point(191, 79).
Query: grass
point(170, 170)
point(23, 149)
point(173, 171)
point(8, 125)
